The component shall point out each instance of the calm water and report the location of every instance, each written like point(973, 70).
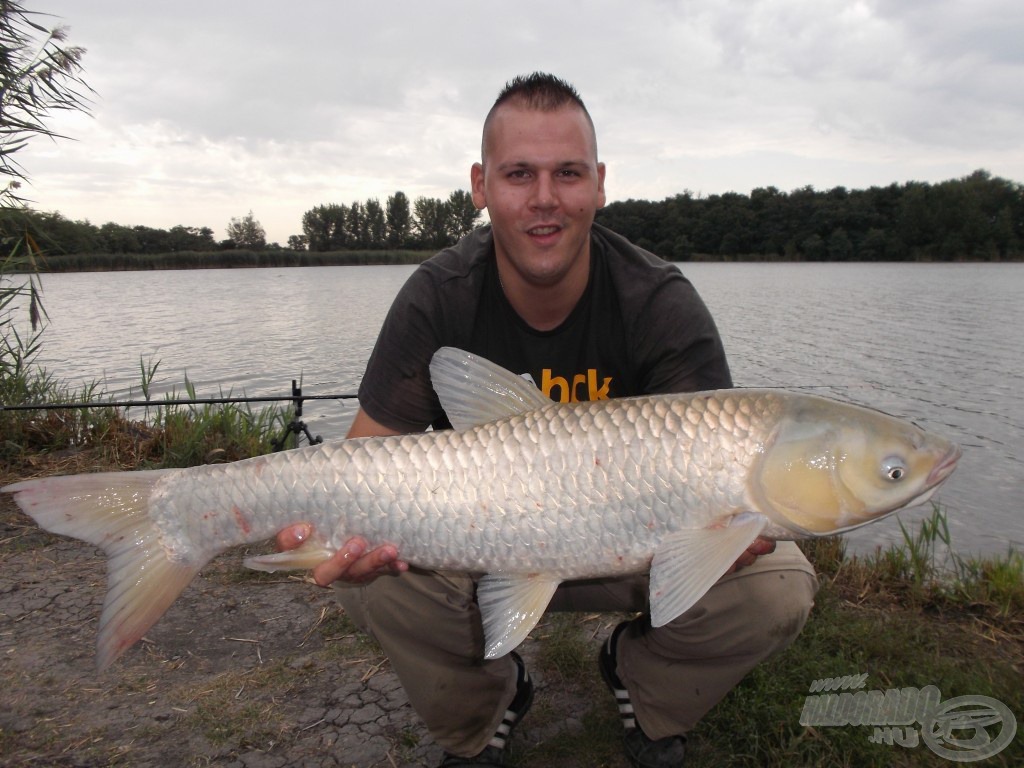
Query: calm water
point(940, 344)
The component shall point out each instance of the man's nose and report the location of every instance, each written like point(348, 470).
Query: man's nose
point(544, 192)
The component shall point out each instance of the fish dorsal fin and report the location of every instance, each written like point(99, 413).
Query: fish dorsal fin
point(510, 606)
point(689, 562)
point(475, 391)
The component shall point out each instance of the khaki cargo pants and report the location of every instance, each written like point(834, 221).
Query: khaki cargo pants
point(428, 624)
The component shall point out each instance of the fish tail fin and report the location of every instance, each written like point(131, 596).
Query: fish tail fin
point(111, 510)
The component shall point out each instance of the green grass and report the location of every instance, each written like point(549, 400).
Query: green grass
point(164, 434)
point(911, 615)
point(908, 616)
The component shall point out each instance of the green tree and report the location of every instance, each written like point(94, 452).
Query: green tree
point(116, 238)
point(431, 222)
point(839, 246)
point(462, 215)
point(324, 227)
point(376, 224)
point(182, 238)
point(813, 248)
point(151, 240)
point(873, 245)
point(355, 226)
point(247, 232)
point(398, 220)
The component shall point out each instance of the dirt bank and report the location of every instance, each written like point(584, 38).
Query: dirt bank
point(244, 670)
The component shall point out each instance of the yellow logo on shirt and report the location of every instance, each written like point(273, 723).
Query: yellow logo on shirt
point(559, 389)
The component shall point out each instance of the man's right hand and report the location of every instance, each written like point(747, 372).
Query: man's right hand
point(353, 564)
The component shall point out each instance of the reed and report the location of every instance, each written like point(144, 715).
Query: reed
point(235, 259)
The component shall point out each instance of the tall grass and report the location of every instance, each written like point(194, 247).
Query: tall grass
point(161, 434)
point(925, 569)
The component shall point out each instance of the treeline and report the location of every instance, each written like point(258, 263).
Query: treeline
point(429, 223)
point(979, 217)
point(56, 234)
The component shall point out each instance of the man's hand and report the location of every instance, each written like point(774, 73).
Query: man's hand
point(760, 547)
point(352, 564)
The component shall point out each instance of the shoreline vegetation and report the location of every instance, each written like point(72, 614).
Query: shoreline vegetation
point(265, 259)
point(232, 259)
point(917, 614)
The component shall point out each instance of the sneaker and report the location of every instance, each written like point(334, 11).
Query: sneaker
point(642, 751)
point(494, 753)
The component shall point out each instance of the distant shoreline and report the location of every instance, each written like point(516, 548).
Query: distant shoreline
point(233, 259)
point(243, 259)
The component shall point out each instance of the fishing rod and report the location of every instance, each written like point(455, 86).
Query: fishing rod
point(296, 426)
point(169, 401)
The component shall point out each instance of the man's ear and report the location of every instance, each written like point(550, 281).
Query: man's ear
point(476, 180)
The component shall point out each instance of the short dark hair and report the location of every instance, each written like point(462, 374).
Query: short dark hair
point(539, 91)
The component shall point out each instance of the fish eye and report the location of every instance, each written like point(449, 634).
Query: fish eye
point(894, 469)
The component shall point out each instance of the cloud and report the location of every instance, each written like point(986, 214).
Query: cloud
point(207, 110)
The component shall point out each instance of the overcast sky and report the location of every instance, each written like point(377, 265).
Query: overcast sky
point(207, 109)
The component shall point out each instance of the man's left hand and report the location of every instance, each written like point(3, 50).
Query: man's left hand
point(760, 547)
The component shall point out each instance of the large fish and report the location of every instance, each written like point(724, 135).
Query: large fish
point(526, 491)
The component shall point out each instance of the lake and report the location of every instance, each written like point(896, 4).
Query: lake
point(939, 344)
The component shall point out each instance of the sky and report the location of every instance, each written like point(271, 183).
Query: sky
point(205, 110)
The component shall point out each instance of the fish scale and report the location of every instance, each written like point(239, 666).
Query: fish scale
point(524, 491)
point(383, 489)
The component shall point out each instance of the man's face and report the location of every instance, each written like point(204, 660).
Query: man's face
point(541, 184)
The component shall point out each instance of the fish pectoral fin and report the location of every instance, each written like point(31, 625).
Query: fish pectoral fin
point(510, 607)
point(688, 563)
point(303, 558)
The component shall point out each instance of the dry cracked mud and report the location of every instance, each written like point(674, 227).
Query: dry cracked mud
point(243, 671)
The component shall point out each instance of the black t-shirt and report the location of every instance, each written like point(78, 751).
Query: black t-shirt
point(640, 328)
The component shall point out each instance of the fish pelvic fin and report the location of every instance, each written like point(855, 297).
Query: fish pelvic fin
point(688, 563)
point(511, 606)
point(111, 510)
point(303, 558)
point(475, 391)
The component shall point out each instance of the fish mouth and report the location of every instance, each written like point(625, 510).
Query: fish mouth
point(945, 467)
point(939, 472)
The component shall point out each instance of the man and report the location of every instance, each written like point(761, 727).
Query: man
point(544, 291)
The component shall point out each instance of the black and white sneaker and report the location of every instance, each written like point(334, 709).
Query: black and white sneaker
point(641, 751)
point(494, 753)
